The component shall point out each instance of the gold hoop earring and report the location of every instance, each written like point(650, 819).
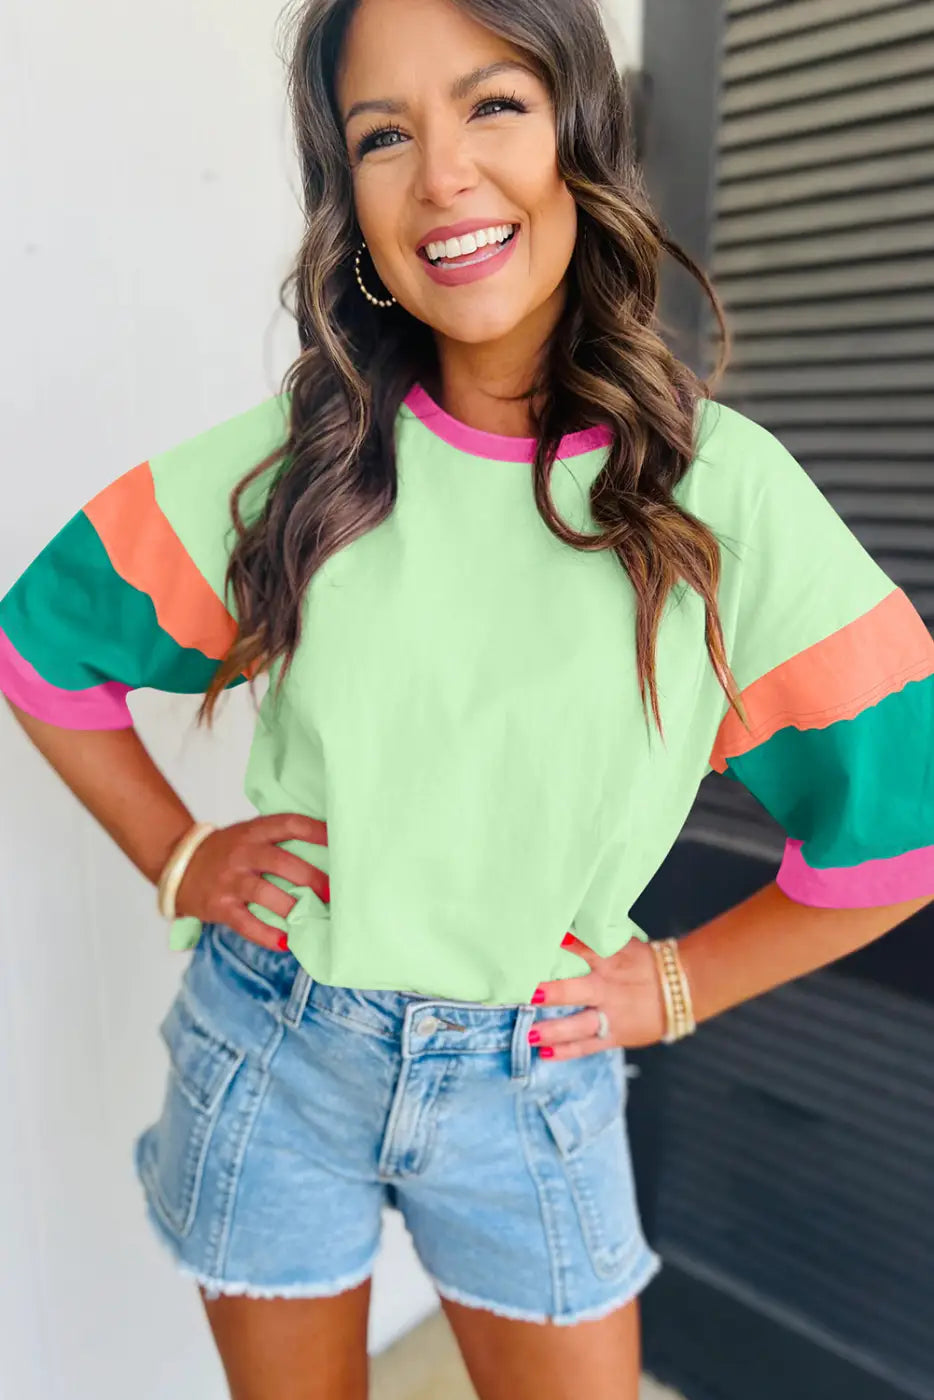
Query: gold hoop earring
point(374, 301)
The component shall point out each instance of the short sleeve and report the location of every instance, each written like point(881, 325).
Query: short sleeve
point(130, 593)
point(836, 671)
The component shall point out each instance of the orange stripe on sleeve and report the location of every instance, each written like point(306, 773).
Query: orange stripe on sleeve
point(835, 679)
point(146, 552)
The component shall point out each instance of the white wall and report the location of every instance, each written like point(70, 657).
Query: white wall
point(624, 20)
point(150, 217)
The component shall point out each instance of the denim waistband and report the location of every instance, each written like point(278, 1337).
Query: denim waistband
point(414, 1023)
point(424, 1025)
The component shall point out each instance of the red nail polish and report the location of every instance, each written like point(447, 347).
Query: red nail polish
point(326, 896)
point(284, 943)
point(534, 1037)
point(538, 997)
point(567, 940)
point(546, 1052)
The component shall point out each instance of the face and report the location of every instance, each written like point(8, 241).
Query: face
point(451, 136)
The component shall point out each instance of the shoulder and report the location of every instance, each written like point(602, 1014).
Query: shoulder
point(778, 528)
point(744, 482)
point(177, 504)
point(738, 467)
point(192, 482)
point(194, 473)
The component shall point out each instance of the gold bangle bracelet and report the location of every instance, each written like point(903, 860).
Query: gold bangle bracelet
point(174, 869)
point(665, 986)
point(684, 1020)
point(675, 990)
point(686, 993)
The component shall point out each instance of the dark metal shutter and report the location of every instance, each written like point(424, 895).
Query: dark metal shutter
point(784, 1155)
point(786, 1183)
point(822, 248)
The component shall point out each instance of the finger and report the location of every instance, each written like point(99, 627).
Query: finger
point(574, 945)
point(576, 1048)
point(573, 991)
point(248, 926)
point(290, 826)
point(273, 860)
point(559, 1030)
point(253, 889)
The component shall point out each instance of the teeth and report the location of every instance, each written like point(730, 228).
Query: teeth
point(469, 242)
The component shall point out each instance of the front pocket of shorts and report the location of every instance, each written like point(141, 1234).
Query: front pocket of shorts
point(261, 973)
point(201, 1069)
point(589, 1132)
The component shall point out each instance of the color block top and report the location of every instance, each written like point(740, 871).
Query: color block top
point(463, 712)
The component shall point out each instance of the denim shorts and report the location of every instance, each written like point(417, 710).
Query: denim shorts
point(295, 1112)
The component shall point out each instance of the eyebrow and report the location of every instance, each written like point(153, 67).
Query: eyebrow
point(459, 89)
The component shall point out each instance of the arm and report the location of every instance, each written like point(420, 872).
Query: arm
point(759, 944)
point(114, 777)
point(769, 939)
point(130, 594)
point(836, 671)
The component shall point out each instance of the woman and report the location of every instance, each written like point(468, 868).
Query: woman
point(517, 585)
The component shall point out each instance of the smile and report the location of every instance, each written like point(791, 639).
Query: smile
point(473, 247)
point(470, 257)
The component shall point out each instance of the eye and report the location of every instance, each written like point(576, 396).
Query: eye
point(509, 102)
point(379, 138)
point(373, 140)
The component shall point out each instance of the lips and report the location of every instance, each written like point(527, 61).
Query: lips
point(443, 233)
point(471, 267)
point(469, 245)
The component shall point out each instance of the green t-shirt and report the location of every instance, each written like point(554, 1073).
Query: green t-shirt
point(463, 711)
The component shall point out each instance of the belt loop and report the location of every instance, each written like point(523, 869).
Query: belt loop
point(521, 1049)
point(298, 999)
point(413, 1004)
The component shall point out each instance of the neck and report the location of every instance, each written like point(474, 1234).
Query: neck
point(477, 383)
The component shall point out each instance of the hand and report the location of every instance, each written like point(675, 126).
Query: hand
point(625, 985)
point(227, 872)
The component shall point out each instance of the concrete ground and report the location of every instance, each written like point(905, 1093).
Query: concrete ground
point(426, 1365)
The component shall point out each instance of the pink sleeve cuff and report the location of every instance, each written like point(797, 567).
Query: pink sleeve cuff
point(867, 886)
point(100, 707)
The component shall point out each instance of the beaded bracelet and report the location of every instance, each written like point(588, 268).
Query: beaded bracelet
point(174, 870)
point(676, 991)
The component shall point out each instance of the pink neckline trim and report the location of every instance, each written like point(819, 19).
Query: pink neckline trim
point(495, 446)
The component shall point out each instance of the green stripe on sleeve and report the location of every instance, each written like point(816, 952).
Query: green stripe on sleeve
point(861, 789)
point(80, 624)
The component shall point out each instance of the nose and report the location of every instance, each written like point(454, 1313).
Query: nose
point(445, 166)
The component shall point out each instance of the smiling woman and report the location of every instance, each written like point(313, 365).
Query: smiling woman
point(510, 117)
point(487, 135)
point(475, 546)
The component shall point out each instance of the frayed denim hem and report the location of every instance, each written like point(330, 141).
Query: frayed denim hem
point(639, 1281)
point(232, 1288)
point(223, 1288)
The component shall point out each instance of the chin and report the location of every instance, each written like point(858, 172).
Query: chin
point(479, 329)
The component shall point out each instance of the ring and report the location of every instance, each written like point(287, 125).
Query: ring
point(603, 1027)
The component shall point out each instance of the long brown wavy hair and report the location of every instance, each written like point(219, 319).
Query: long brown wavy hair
point(606, 363)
